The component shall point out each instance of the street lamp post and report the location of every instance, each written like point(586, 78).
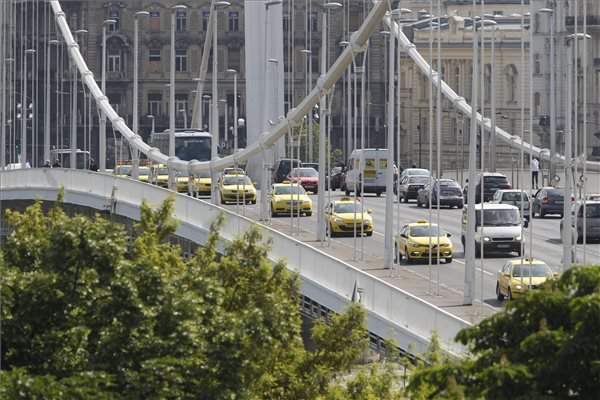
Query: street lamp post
point(24, 111)
point(172, 182)
point(389, 176)
point(73, 140)
point(151, 117)
point(219, 5)
point(226, 133)
point(551, 22)
point(235, 110)
point(135, 162)
point(102, 138)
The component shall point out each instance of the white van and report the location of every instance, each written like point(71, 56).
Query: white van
point(375, 166)
point(501, 230)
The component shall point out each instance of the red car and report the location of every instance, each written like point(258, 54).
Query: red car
point(307, 177)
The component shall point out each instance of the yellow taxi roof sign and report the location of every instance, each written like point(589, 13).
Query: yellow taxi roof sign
point(421, 221)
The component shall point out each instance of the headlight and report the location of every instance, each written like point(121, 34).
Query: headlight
point(486, 239)
point(518, 287)
point(518, 238)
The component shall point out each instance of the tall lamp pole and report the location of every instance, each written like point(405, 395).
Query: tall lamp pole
point(135, 162)
point(172, 182)
point(102, 138)
point(235, 110)
point(151, 118)
point(389, 175)
point(24, 111)
point(551, 22)
point(214, 129)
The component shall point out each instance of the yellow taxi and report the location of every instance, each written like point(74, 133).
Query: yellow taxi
point(287, 197)
point(160, 175)
point(415, 238)
point(237, 188)
point(515, 279)
point(346, 216)
point(144, 174)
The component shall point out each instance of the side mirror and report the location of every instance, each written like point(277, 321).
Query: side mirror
point(448, 234)
point(369, 211)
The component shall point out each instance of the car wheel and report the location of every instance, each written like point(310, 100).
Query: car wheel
point(397, 257)
point(542, 214)
point(499, 294)
point(510, 296)
point(378, 194)
point(370, 233)
point(405, 198)
point(347, 192)
point(273, 213)
point(477, 251)
point(448, 260)
point(407, 256)
point(462, 240)
point(308, 214)
point(460, 205)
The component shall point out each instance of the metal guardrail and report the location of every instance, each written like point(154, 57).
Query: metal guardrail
point(392, 313)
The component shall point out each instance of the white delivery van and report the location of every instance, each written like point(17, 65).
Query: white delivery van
point(499, 231)
point(374, 166)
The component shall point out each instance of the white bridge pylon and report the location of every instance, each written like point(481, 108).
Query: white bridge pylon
point(358, 40)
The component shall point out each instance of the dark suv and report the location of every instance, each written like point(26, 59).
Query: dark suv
point(548, 200)
point(283, 167)
point(492, 181)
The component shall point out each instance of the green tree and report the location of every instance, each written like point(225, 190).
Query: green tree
point(93, 311)
point(543, 346)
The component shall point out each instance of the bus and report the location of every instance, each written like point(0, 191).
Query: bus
point(62, 157)
point(190, 144)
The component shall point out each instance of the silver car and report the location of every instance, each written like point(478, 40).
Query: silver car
point(513, 197)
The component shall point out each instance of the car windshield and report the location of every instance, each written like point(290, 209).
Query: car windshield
point(555, 193)
point(535, 270)
point(504, 217)
point(495, 180)
point(123, 170)
point(304, 172)
point(236, 180)
point(424, 231)
point(449, 185)
point(591, 211)
point(419, 179)
point(417, 171)
point(345, 208)
point(514, 196)
point(144, 171)
point(289, 189)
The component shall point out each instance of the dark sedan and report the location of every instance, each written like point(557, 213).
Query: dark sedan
point(548, 200)
point(450, 194)
point(410, 185)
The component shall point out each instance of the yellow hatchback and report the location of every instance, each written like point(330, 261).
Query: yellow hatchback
point(415, 239)
point(347, 216)
point(515, 279)
point(237, 189)
point(290, 197)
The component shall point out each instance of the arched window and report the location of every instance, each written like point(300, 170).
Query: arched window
point(511, 83)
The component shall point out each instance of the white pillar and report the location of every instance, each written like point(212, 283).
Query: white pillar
point(389, 175)
point(322, 122)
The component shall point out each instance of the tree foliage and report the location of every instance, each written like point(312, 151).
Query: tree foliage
point(543, 346)
point(93, 311)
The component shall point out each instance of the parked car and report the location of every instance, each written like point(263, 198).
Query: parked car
point(307, 177)
point(450, 194)
point(492, 181)
point(592, 221)
point(337, 177)
point(513, 197)
point(283, 167)
point(548, 200)
point(410, 185)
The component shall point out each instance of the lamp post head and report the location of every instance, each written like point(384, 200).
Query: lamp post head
point(109, 21)
point(273, 60)
point(30, 51)
point(222, 4)
point(333, 5)
point(80, 31)
point(306, 51)
point(142, 14)
point(231, 71)
point(150, 116)
point(223, 101)
point(269, 3)
point(343, 43)
point(545, 10)
point(178, 7)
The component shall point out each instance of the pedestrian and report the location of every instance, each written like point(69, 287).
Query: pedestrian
point(93, 165)
point(56, 164)
point(414, 165)
point(47, 164)
point(535, 170)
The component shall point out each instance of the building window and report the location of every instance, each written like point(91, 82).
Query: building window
point(234, 21)
point(537, 67)
point(114, 14)
point(114, 63)
point(154, 55)
point(313, 22)
point(181, 103)
point(154, 104)
point(234, 58)
point(180, 21)
point(154, 21)
point(181, 60)
point(205, 17)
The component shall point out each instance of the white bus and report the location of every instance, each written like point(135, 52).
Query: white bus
point(190, 144)
point(374, 169)
point(62, 158)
